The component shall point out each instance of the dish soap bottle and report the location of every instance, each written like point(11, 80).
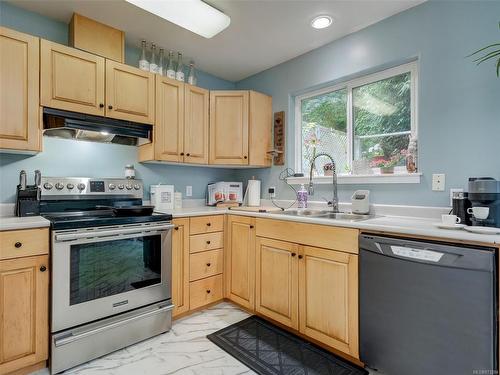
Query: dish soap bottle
point(302, 197)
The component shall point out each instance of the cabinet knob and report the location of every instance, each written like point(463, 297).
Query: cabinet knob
point(101, 105)
point(251, 226)
point(209, 264)
point(110, 107)
point(182, 154)
point(208, 291)
point(188, 154)
point(208, 242)
point(18, 244)
point(43, 269)
point(300, 257)
point(176, 228)
point(245, 157)
point(293, 254)
point(209, 224)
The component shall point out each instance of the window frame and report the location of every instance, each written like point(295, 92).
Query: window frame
point(411, 67)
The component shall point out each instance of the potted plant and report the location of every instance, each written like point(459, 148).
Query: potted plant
point(328, 169)
point(489, 52)
point(386, 165)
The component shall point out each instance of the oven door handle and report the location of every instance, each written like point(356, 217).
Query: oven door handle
point(112, 232)
point(72, 338)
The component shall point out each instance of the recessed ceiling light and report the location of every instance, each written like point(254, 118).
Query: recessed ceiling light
point(321, 22)
point(193, 15)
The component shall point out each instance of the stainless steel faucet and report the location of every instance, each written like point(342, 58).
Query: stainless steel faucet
point(334, 203)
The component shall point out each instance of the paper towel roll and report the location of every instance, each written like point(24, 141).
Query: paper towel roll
point(253, 193)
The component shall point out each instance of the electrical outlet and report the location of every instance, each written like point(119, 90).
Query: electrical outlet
point(272, 191)
point(454, 190)
point(438, 181)
point(189, 191)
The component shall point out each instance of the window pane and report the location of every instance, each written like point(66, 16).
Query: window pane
point(324, 130)
point(382, 121)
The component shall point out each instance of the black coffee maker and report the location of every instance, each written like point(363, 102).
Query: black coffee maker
point(485, 192)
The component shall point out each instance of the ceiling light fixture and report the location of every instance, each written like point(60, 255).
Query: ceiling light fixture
point(321, 22)
point(193, 15)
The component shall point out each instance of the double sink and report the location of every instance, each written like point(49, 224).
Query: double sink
point(325, 214)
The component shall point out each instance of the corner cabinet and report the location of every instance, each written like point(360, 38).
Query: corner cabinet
point(19, 92)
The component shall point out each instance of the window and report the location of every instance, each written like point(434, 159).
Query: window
point(365, 124)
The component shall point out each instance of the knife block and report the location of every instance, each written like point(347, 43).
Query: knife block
point(28, 201)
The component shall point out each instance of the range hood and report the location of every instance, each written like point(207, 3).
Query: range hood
point(72, 125)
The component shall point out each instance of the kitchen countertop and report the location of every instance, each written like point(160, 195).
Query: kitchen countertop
point(16, 223)
point(407, 225)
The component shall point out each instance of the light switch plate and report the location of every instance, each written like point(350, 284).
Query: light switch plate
point(438, 181)
point(189, 191)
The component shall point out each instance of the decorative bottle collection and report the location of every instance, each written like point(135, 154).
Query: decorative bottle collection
point(158, 63)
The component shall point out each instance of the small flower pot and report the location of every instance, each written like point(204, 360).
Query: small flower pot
point(328, 172)
point(386, 170)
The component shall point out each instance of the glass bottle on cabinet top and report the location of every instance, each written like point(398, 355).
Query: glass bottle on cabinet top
point(161, 62)
point(179, 74)
point(171, 65)
point(143, 62)
point(192, 79)
point(153, 66)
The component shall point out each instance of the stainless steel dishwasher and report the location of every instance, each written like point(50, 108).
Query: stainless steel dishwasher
point(427, 308)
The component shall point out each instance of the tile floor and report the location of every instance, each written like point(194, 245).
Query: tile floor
point(184, 350)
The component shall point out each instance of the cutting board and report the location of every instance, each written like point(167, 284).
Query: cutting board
point(256, 209)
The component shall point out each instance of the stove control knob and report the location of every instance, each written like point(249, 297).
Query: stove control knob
point(137, 187)
point(81, 186)
point(129, 187)
point(59, 186)
point(70, 186)
point(112, 186)
point(121, 186)
point(48, 185)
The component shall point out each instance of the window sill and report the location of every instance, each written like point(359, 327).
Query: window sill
point(395, 178)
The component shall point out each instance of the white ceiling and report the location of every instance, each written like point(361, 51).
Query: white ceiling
point(262, 33)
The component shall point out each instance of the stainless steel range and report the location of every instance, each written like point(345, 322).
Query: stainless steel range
point(111, 272)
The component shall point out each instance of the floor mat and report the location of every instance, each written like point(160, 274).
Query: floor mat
point(270, 350)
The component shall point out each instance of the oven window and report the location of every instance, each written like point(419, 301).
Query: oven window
point(106, 268)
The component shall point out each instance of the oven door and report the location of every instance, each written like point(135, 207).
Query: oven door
point(99, 272)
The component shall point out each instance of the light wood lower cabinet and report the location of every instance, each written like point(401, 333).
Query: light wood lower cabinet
point(277, 281)
point(328, 298)
point(240, 260)
point(19, 91)
point(24, 326)
point(180, 266)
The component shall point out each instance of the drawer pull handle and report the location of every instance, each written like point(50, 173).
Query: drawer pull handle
point(18, 244)
point(209, 224)
point(293, 254)
point(300, 257)
point(43, 269)
point(208, 264)
point(208, 242)
point(208, 291)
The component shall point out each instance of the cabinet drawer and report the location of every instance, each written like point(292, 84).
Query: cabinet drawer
point(23, 243)
point(205, 291)
point(205, 264)
point(206, 224)
point(203, 242)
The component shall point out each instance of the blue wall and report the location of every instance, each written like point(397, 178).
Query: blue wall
point(74, 158)
point(459, 103)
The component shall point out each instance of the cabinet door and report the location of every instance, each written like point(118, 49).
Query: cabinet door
point(180, 266)
point(24, 326)
point(196, 125)
point(229, 127)
point(260, 129)
point(276, 281)
point(130, 93)
point(328, 298)
point(19, 91)
point(71, 79)
point(169, 127)
point(240, 261)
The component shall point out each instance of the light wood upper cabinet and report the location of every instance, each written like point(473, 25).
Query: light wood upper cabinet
point(328, 298)
point(260, 129)
point(71, 80)
point(229, 127)
point(277, 281)
point(195, 124)
point(130, 93)
point(19, 91)
point(180, 266)
point(24, 297)
point(169, 127)
point(240, 260)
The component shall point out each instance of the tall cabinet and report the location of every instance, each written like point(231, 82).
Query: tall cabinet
point(19, 91)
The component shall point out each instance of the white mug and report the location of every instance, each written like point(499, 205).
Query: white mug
point(450, 219)
point(480, 213)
